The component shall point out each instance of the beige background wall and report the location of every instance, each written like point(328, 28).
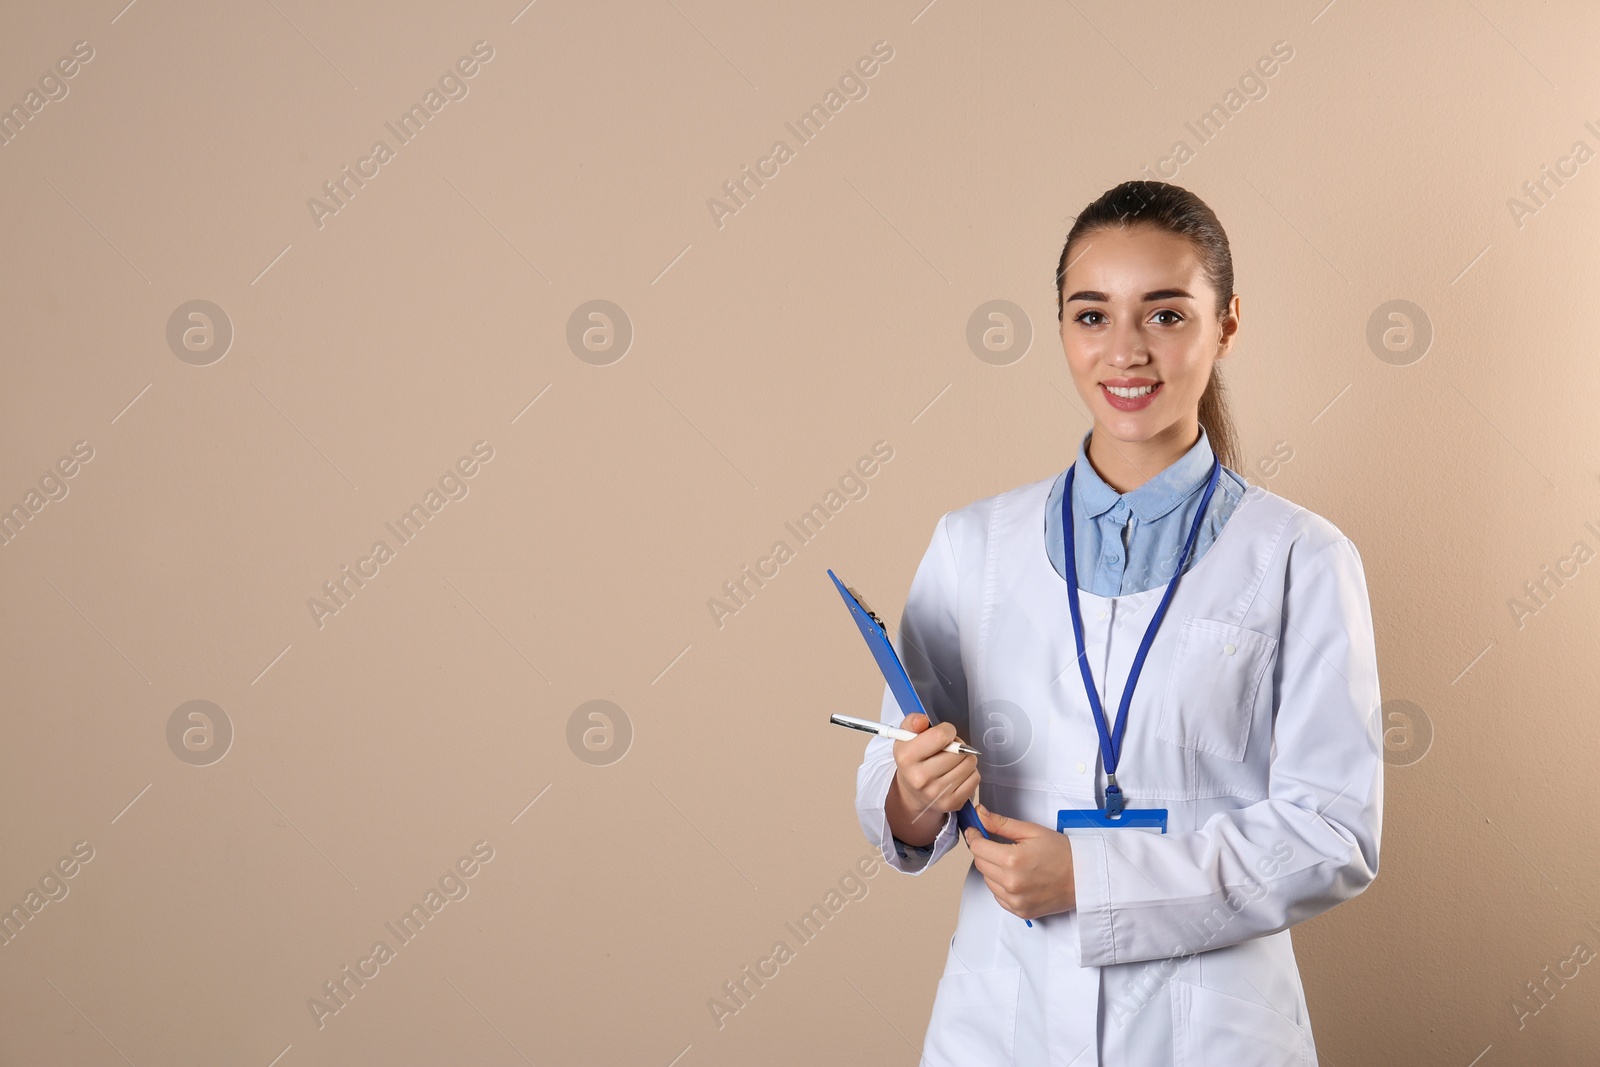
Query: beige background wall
point(362, 757)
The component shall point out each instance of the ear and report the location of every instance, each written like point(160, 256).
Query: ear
point(1228, 327)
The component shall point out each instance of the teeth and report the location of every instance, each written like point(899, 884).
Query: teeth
point(1118, 390)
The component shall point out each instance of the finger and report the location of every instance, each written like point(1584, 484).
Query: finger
point(1015, 906)
point(931, 740)
point(996, 823)
point(985, 867)
point(916, 722)
point(929, 770)
point(989, 856)
point(968, 788)
point(1001, 896)
point(933, 802)
point(1016, 829)
point(927, 805)
point(951, 784)
point(933, 759)
point(936, 758)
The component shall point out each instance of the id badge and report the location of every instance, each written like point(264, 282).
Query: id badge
point(1150, 820)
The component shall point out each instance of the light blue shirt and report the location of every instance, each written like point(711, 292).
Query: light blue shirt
point(1130, 542)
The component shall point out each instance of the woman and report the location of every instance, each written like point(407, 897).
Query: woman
point(1206, 642)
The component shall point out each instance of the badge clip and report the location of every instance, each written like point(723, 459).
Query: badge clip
point(1115, 801)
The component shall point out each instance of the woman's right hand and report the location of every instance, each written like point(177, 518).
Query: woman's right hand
point(928, 782)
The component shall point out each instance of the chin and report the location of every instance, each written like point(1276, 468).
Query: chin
point(1126, 426)
point(1134, 427)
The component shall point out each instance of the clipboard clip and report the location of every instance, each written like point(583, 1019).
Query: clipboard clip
point(873, 615)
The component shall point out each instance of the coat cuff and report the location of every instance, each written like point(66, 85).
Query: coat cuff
point(1091, 874)
point(908, 859)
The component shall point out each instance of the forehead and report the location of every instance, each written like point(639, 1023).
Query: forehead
point(1119, 261)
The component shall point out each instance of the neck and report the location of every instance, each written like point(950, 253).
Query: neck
point(1126, 465)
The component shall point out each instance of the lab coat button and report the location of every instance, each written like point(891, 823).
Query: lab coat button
point(1080, 767)
point(1228, 650)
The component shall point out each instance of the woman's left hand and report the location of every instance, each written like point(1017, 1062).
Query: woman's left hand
point(1030, 878)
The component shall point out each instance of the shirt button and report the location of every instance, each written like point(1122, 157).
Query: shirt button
point(1228, 650)
point(1113, 558)
point(1080, 767)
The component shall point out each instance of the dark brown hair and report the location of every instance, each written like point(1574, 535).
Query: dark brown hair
point(1179, 212)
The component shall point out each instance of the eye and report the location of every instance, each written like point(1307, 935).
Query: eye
point(1088, 311)
point(1177, 318)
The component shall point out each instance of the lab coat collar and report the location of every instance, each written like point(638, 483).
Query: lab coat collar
point(1155, 497)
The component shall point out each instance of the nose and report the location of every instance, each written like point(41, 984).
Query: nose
point(1128, 347)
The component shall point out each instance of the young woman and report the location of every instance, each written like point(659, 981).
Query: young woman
point(1148, 633)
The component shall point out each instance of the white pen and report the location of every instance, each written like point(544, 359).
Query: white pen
point(885, 730)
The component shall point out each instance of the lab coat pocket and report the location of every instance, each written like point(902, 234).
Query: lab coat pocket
point(1212, 1029)
point(974, 1018)
point(1216, 672)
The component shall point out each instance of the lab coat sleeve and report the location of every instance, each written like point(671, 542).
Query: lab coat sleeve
point(1311, 844)
point(929, 647)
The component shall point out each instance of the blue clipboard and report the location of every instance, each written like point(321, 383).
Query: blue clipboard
point(894, 673)
point(899, 682)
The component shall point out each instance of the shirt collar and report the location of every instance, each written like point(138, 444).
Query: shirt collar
point(1155, 497)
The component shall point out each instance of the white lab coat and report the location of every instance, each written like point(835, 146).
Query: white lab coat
point(1255, 722)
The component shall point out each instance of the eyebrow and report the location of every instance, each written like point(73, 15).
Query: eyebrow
point(1154, 294)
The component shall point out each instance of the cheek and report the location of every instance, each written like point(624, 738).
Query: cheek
point(1183, 360)
point(1083, 367)
point(1189, 381)
point(1082, 355)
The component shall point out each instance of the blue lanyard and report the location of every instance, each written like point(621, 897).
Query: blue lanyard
point(1111, 742)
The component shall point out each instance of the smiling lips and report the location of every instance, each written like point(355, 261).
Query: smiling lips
point(1130, 394)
